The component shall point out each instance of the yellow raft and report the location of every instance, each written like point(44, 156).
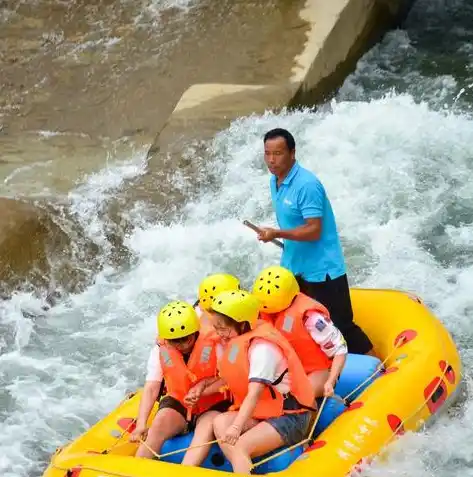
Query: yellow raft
point(418, 375)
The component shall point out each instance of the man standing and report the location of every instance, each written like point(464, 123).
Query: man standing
point(312, 248)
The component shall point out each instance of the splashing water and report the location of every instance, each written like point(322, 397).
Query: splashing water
point(390, 187)
point(397, 169)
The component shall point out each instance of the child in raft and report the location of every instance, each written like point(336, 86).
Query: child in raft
point(306, 324)
point(270, 389)
point(186, 362)
point(209, 288)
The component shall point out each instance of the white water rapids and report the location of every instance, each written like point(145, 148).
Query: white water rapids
point(398, 172)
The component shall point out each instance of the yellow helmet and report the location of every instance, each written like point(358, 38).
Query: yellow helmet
point(176, 320)
point(239, 305)
point(212, 285)
point(275, 287)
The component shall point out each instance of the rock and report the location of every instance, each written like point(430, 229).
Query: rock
point(27, 235)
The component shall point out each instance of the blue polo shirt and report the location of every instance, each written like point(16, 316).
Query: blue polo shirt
point(302, 196)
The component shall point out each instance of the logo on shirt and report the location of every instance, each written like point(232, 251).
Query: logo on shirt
point(288, 202)
point(329, 345)
point(320, 324)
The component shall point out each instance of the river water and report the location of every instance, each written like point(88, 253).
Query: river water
point(394, 150)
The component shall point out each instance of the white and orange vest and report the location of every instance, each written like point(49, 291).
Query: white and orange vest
point(291, 323)
point(181, 377)
point(234, 368)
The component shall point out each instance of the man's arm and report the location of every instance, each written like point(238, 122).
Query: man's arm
point(311, 206)
point(311, 230)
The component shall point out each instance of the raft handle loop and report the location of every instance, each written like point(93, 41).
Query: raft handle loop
point(429, 397)
point(378, 369)
point(120, 437)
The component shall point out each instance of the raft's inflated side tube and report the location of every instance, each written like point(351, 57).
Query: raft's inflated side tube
point(217, 461)
point(422, 378)
point(358, 373)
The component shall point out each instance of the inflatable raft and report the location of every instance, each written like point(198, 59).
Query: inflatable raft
point(417, 375)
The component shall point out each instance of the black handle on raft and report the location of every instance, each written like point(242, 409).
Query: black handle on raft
point(258, 230)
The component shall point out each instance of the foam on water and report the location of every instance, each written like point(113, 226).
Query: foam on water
point(397, 174)
point(413, 60)
point(397, 171)
point(151, 10)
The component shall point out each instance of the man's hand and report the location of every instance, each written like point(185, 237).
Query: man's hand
point(267, 234)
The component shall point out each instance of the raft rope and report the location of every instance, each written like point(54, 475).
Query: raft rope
point(119, 438)
point(401, 424)
point(283, 451)
point(343, 400)
point(294, 446)
point(394, 434)
point(378, 369)
point(304, 441)
point(120, 474)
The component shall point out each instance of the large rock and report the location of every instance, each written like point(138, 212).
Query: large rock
point(27, 236)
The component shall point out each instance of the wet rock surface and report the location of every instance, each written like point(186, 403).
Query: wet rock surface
point(37, 250)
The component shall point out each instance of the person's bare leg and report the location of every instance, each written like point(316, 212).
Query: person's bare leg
point(256, 439)
point(167, 423)
point(318, 379)
point(221, 424)
point(204, 432)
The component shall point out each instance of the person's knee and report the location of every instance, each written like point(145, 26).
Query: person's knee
point(206, 421)
point(242, 450)
point(155, 435)
point(155, 424)
point(219, 424)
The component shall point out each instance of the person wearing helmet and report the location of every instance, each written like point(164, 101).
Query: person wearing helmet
point(214, 284)
point(270, 390)
point(187, 363)
point(305, 323)
point(209, 287)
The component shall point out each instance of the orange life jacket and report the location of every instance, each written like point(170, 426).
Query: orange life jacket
point(181, 377)
point(291, 323)
point(234, 368)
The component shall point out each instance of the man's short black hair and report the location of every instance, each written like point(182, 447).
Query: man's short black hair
point(285, 134)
